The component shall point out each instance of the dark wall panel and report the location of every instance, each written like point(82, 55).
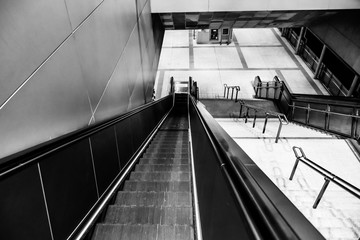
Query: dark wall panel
point(106, 161)
point(22, 207)
point(124, 137)
point(69, 183)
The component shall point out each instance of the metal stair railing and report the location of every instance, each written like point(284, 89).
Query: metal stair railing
point(320, 112)
point(328, 176)
point(280, 116)
point(227, 91)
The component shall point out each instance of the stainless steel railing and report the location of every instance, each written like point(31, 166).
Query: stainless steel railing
point(328, 176)
point(280, 116)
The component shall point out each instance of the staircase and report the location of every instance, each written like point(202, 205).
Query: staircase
point(156, 201)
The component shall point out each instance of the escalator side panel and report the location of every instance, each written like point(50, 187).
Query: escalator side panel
point(220, 218)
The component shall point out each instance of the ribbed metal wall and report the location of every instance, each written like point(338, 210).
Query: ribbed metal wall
point(66, 64)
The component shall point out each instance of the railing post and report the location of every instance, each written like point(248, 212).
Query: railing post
point(265, 123)
point(321, 193)
point(172, 90)
point(237, 92)
point(232, 93)
point(246, 114)
point(278, 133)
point(297, 49)
point(307, 114)
point(320, 62)
point(240, 112)
point(225, 86)
point(294, 168)
point(354, 123)
point(353, 85)
point(297, 160)
point(254, 118)
point(327, 117)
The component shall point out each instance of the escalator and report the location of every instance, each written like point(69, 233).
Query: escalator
point(164, 171)
point(156, 201)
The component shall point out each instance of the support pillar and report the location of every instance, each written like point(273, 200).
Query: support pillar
point(353, 85)
point(317, 71)
point(302, 31)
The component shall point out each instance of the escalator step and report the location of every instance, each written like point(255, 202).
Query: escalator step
point(149, 215)
point(159, 176)
point(157, 199)
point(157, 186)
point(167, 150)
point(175, 232)
point(162, 167)
point(142, 232)
point(165, 155)
point(169, 160)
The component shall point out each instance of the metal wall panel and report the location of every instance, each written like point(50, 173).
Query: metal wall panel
point(69, 184)
point(140, 5)
point(52, 103)
point(106, 161)
point(22, 207)
point(116, 96)
point(137, 95)
point(99, 43)
point(78, 10)
point(29, 33)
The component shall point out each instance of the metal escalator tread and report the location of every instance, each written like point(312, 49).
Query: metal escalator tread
point(156, 200)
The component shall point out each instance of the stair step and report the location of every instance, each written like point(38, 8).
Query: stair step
point(151, 160)
point(162, 167)
point(157, 186)
point(159, 199)
point(149, 215)
point(165, 155)
point(143, 232)
point(160, 176)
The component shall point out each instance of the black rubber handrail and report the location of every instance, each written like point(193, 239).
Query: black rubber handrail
point(20, 160)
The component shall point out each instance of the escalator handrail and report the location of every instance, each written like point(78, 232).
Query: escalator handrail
point(271, 219)
point(22, 159)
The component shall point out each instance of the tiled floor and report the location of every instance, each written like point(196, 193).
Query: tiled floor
point(262, 52)
point(254, 52)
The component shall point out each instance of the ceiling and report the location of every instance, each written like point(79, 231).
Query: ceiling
point(253, 19)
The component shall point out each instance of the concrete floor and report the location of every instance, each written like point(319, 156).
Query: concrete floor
point(264, 53)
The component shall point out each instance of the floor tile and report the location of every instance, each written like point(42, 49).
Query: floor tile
point(267, 57)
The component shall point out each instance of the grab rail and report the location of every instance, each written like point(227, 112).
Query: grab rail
point(328, 176)
point(227, 91)
point(278, 90)
point(281, 117)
